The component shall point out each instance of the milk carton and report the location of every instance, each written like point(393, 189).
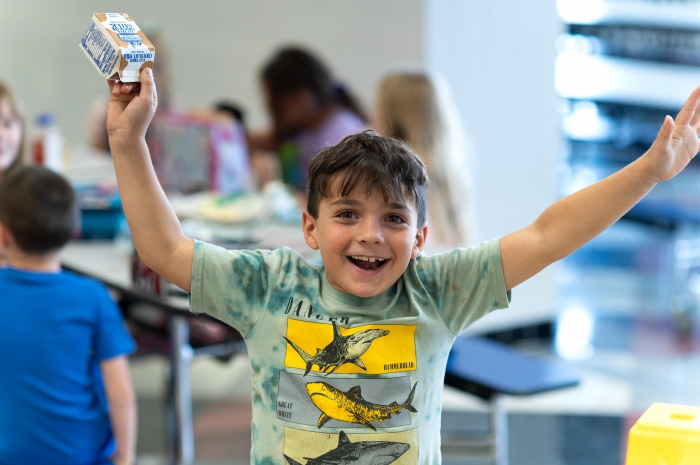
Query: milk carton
point(117, 47)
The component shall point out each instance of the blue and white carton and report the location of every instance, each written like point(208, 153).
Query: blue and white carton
point(117, 47)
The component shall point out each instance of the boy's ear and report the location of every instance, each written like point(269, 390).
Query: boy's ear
point(3, 237)
point(6, 239)
point(419, 243)
point(308, 225)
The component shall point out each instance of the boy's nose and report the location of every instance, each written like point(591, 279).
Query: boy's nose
point(371, 232)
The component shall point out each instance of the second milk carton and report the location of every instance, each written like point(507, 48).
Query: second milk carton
point(117, 47)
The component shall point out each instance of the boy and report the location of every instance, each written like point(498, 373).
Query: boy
point(348, 357)
point(65, 390)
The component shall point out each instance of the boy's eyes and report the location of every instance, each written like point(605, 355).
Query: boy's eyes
point(349, 215)
point(346, 215)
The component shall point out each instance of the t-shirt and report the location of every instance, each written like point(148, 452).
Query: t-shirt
point(296, 154)
point(337, 376)
point(55, 328)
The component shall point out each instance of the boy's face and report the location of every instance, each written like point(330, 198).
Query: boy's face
point(365, 242)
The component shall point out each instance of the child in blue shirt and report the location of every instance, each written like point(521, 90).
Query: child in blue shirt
point(65, 389)
point(348, 357)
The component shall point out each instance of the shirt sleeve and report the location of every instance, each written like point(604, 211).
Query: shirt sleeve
point(465, 284)
point(111, 336)
point(233, 286)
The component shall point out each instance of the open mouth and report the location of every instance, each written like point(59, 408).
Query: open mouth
point(368, 263)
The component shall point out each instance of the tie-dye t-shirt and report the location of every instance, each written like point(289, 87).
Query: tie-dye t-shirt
point(339, 378)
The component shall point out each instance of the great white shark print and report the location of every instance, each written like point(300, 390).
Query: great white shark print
point(351, 407)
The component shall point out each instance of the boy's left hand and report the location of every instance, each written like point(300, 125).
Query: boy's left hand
point(677, 142)
point(576, 219)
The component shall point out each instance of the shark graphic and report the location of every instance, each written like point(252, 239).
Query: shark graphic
point(350, 406)
point(342, 350)
point(358, 453)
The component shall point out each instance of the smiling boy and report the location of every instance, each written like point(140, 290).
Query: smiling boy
point(348, 357)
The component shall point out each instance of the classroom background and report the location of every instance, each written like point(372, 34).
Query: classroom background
point(552, 96)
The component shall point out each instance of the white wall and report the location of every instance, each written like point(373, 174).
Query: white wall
point(215, 48)
point(498, 57)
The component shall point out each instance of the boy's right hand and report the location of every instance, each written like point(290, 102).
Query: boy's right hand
point(131, 107)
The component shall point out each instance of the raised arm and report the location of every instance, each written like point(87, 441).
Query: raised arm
point(155, 228)
point(576, 219)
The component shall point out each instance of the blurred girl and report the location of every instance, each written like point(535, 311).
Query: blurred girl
point(418, 109)
point(309, 111)
point(11, 132)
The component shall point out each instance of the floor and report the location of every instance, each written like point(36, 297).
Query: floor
point(618, 325)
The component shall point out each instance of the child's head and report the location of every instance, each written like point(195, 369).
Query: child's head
point(11, 132)
point(38, 209)
point(417, 108)
point(298, 86)
point(366, 211)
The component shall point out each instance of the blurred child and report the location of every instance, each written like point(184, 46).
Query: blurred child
point(11, 132)
point(65, 389)
point(310, 110)
point(359, 343)
point(417, 108)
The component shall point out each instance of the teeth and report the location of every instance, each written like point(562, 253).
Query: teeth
point(367, 259)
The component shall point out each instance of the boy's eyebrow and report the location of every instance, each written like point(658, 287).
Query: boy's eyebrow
point(345, 202)
point(354, 203)
point(398, 206)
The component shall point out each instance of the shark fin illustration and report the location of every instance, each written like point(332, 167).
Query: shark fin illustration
point(336, 331)
point(364, 422)
point(334, 368)
point(291, 461)
point(304, 356)
point(322, 420)
point(340, 363)
point(355, 392)
point(343, 439)
point(407, 405)
point(358, 362)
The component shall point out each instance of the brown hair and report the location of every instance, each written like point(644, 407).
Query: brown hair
point(294, 68)
point(5, 93)
point(38, 206)
point(374, 161)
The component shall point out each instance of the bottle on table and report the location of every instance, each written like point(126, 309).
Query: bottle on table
point(47, 144)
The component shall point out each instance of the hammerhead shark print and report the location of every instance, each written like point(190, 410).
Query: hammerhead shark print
point(342, 350)
point(351, 407)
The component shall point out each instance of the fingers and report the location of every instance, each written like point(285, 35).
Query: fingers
point(689, 114)
point(129, 87)
point(118, 88)
point(148, 85)
point(665, 132)
point(695, 120)
point(115, 87)
point(666, 129)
